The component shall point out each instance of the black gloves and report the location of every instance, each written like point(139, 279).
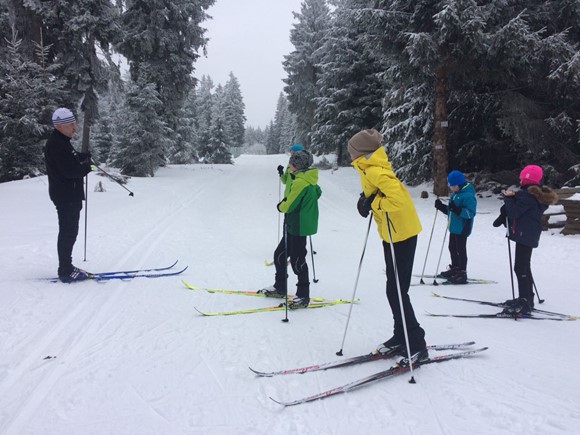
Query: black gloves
point(280, 170)
point(454, 208)
point(501, 219)
point(440, 206)
point(364, 204)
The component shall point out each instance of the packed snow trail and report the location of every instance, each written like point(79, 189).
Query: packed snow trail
point(135, 357)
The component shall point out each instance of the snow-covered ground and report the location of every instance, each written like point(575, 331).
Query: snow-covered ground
point(135, 357)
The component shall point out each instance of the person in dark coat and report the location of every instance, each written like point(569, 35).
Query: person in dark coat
point(461, 213)
point(66, 168)
point(523, 210)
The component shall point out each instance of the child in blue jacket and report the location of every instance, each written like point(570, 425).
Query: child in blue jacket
point(461, 212)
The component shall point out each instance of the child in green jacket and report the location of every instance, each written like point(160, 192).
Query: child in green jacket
point(300, 208)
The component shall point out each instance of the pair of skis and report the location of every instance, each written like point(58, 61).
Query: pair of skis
point(536, 314)
point(314, 302)
point(135, 273)
point(392, 371)
point(446, 282)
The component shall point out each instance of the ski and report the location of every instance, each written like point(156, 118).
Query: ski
point(503, 305)
point(119, 272)
point(95, 275)
point(280, 307)
point(238, 292)
point(127, 276)
point(355, 360)
point(393, 371)
point(446, 282)
point(138, 275)
point(501, 315)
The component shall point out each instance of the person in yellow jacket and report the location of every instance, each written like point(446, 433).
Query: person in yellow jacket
point(397, 223)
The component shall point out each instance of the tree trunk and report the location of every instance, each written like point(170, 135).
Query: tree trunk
point(439, 145)
point(86, 131)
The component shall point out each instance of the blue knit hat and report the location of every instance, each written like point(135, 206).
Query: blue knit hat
point(456, 178)
point(295, 147)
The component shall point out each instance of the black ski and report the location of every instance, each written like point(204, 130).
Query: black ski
point(393, 371)
point(355, 360)
point(501, 315)
point(503, 305)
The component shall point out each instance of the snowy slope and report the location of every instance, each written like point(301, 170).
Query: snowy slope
point(135, 357)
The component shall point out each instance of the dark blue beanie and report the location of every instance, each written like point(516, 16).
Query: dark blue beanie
point(456, 178)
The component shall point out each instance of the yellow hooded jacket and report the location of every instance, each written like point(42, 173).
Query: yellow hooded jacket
point(376, 175)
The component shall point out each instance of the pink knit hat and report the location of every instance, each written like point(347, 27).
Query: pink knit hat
point(531, 174)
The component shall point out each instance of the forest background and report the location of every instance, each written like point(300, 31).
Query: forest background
point(477, 85)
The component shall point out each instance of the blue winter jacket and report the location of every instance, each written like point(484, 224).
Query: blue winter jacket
point(462, 224)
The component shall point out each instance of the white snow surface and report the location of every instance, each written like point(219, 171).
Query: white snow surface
point(134, 357)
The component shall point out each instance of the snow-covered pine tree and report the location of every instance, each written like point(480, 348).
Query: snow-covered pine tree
point(272, 137)
point(183, 147)
point(282, 131)
point(350, 85)
point(161, 40)
point(203, 109)
point(29, 92)
point(217, 149)
point(485, 69)
point(143, 137)
point(234, 107)
point(79, 26)
point(301, 65)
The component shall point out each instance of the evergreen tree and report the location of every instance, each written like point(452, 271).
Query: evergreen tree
point(29, 93)
point(496, 85)
point(203, 109)
point(234, 107)
point(217, 149)
point(272, 139)
point(161, 42)
point(183, 148)
point(350, 83)
point(302, 65)
point(81, 25)
point(143, 134)
point(283, 129)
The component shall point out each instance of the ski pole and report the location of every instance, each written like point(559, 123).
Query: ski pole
point(112, 178)
point(511, 272)
point(279, 199)
point(401, 308)
point(86, 213)
point(285, 319)
point(440, 255)
point(428, 247)
point(312, 256)
point(339, 353)
point(540, 300)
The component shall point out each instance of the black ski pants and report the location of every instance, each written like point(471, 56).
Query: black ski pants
point(405, 255)
point(297, 253)
point(458, 251)
point(523, 271)
point(68, 229)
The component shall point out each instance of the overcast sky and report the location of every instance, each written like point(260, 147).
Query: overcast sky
point(250, 39)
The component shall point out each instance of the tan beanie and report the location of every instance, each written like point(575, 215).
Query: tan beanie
point(364, 142)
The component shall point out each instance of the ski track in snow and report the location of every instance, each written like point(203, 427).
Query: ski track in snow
point(134, 357)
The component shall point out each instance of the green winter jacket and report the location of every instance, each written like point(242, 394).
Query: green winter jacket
point(301, 204)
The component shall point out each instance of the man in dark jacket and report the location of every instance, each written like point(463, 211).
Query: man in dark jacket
point(66, 168)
